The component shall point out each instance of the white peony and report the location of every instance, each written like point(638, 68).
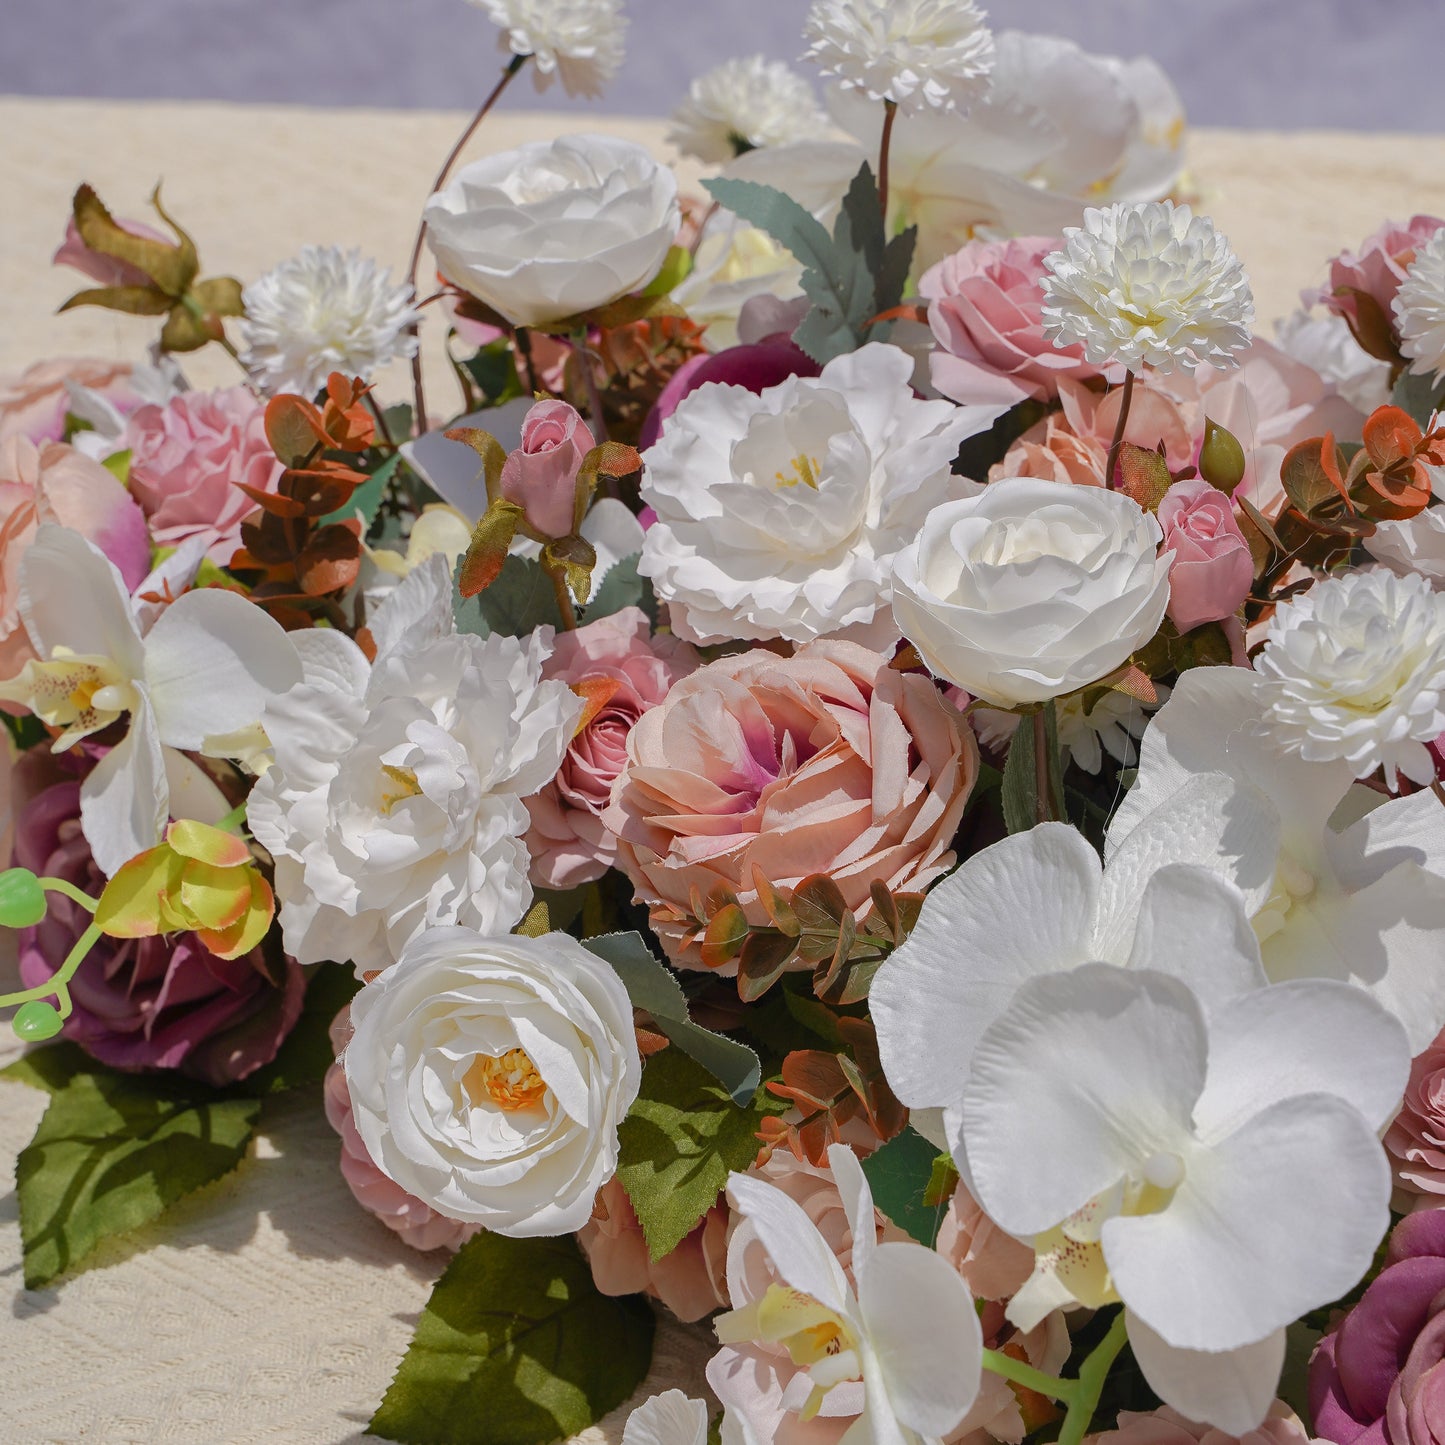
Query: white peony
point(576, 41)
point(743, 105)
point(1416, 545)
point(1419, 307)
point(920, 54)
point(488, 1076)
point(394, 803)
point(1322, 341)
point(1357, 667)
point(1031, 589)
point(778, 515)
point(1150, 284)
point(324, 310)
point(555, 228)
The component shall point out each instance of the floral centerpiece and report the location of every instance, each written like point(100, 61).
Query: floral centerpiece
point(870, 784)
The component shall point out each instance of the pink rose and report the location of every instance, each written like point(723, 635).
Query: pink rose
point(102, 269)
point(1050, 450)
point(691, 1281)
point(541, 475)
point(1213, 569)
point(984, 310)
point(1416, 1140)
point(1167, 1427)
point(187, 458)
point(34, 404)
point(1165, 409)
point(621, 671)
point(829, 761)
point(56, 483)
point(1377, 270)
point(994, 1265)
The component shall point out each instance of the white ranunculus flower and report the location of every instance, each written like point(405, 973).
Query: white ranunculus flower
point(734, 262)
point(576, 41)
point(745, 104)
point(1357, 667)
point(555, 228)
point(488, 1076)
point(1149, 284)
point(1416, 545)
point(1031, 589)
point(1419, 307)
point(778, 515)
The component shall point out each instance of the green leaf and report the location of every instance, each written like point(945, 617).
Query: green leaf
point(680, 1141)
point(899, 1175)
point(516, 1346)
point(623, 587)
point(494, 370)
point(1020, 779)
point(112, 1152)
point(306, 1054)
point(520, 600)
point(366, 499)
point(25, 732)
point(1420, 395)
point(50, 1068)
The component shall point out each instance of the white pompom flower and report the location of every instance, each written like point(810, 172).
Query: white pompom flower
point(1150, 284)
point(1358, 667)
point(745, 104)
point(1420, 308)
point(324, 310)
point(578, 42)
point(923, 55)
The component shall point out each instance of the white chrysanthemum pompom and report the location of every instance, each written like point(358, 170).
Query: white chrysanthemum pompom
point(1358, 667)
point(322, 311)
point(578, 41)
point(1420, 308)
point(745, 104)
point(1149, 284)
point(924, 55)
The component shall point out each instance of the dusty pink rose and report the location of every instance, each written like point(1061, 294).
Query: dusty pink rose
point(1167, 1427)
point(102, 269)
point(829, 761)
point(34, 404)
point(691, 1281)
point(541, 475)
point(1416, 1140)
point(417, 1223)
point(1052, 451)
point(1212, 569)
point(187, 458)
point(1165, 409)
point(621, 671)
point(984, 310)
point(56, 483)
point(1377, 269)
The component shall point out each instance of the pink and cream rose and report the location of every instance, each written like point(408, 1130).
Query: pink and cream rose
point(34, 403)
point(1052, 451)
point(1212, 569)
point(829, 761)
point(188, 458)
point(1376, 270)
point(540, 476)
point(621, 672)
point(1167, 1427)
point(1416, 1140)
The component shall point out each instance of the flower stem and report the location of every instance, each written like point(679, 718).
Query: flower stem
point(56, 983)
point(890, 114)
point(1090, 1384)
point(596, 415)
point(1043, 791)
point(380, 416)
point(1019, 1373)
point(564, 598)
point(234, 821)
point(1118, 441)
point(70, 891)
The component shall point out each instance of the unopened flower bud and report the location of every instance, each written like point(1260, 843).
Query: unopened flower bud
point(1221, 458)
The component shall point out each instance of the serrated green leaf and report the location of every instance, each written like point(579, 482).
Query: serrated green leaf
point(112, 1152)
point(899, 1175)
point(306, 1054)
point(893, 271)
point(516, 1346)
point(621, 587)
point(520, 600)
point(680, 1141)
point(50, 1067)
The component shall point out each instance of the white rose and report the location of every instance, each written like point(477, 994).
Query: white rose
point(555, 228)
point(488, 1077)
point(734, 263)
point(1032, 589)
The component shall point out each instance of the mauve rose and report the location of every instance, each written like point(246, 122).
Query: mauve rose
point(984, 310)
point(150, 1003)
point(34, 403)
point(102, 269)
point(541, 475)
point(1379, 1378)
point(1416, 1140)
point(829, 761)
point(691, 1281)
point(1377, 269)
point(1167, 1427)
point(187, 458)
point(1212, 569)
point(620, 671)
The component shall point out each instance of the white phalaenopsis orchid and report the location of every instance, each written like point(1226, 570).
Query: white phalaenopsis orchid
point(203, 666)
point(909, 1332)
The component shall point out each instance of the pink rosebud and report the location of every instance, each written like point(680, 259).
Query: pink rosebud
point(541, 475)
point(102, 269)
point(1212, 568)
point(1376, 270)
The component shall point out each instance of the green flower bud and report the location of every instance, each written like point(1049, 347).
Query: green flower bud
point(37, 1021)
point(1221, 460)
point(22, 899)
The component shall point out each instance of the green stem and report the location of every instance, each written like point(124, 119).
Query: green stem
point(56, 983)
point(1090, 1385)
point(235, 820)
point(70, 891)
point(1019, 1373)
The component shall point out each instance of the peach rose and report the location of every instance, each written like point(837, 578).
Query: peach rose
point(1165, 409)
point(188, 456)
point(691, 1281)
point(34, 404)
point(1416, 1140)
point(1212, 569)
point(1052, 451)
point(56, 483)
point(1167, 1427)
point(829, 761)
point(994, 1265)
point(621, 671)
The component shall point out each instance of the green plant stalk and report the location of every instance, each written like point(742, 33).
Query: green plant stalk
point(235, 820)
point(70, 891)
point(56, 983)
point(1019, 1373)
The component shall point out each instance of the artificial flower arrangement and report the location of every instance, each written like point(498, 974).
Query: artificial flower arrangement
point(874, 788)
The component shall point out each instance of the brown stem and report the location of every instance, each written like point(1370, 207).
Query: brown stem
point(1118, 441)
point(380, 416)
point(890, 114)
point(1043, 801)
point(1438, 790)
point(597, 416)
point(564, 598)
point(523, 338)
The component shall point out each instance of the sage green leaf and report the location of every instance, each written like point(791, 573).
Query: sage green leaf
point(112, 1152)
point(520, 600)
point(366, 499)
point(516, 1346)
point(1420, 395)
point(899, 1175)
point(622, 586)
point(49, 1068)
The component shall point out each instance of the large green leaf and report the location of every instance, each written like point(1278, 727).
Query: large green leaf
point(1419, 394)
point(899, 1175)
point(1020, 774)
point(622, 587)
point(519, 601)
point(680, 1141)
point(112, 1152)
point(516, 1346)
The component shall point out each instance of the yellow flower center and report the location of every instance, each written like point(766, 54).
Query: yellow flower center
point(77, 694)
point(511, 1082)
point(406, 786)
point(804, 469)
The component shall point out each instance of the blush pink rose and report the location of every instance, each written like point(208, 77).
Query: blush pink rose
point(33, 405)
point(829, 761)
point(621, 671)
point(1212, 569)
point(1165, 409)
point(985, 305)
point(187, 458)
point(102, 269)
point(1167, 1427)
point(1050, 450)
point(691, 1281)
point(1377, 269)
point(994, 1265)
point(56, 483)
point(1416, 1140)
point(541, 475)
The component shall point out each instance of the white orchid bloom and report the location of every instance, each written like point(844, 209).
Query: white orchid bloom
point(909, 1333)
point(670, 1418)
point(1364, 904)
point(205, 665)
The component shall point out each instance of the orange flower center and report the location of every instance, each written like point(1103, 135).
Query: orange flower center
point(511, 1082)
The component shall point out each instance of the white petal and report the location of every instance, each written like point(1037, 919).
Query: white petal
point(615, 535)
point(798, 1251)
point(1085, 1077)
point(169, 578)
point(452, 469)
point(191, 791)
point(124, 802)
point(72, 595)
point(212, 662)
point(857, 1198)
point(1231, 1390)
point(418, 610)
point(667, 1419)
point(1402, 830)
point(331, 660)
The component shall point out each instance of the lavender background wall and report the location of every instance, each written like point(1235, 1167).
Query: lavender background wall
point(1356, 64)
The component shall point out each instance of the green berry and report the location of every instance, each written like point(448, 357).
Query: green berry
point(37, 1021)
point(22, 899)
